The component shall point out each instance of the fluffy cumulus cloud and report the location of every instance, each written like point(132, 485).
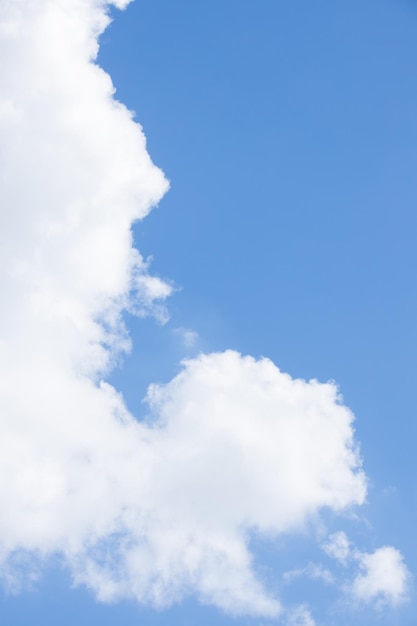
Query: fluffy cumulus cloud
point(150, 509)
point(383, 579)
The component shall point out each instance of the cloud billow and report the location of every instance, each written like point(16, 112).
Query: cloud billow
point(151, 510)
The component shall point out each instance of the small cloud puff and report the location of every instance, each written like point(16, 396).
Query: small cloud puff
point(381, 578)
point(189, 337)
point(384, 578)
point(300, 616)
point(338, 547)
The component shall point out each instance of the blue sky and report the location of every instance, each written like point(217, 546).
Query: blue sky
point(288, 133)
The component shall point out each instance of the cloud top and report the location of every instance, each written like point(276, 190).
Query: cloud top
point(155, 510)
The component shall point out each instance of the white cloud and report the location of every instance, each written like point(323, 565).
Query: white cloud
point(278, 439)
point(313, 571)
point(384, 578)
point(301, 616)
point(150, 510)
point(381, 577)
point(189, 337)
point(75, 174)
point(338, 547)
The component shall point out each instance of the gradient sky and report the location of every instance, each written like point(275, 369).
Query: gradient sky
point(288, 132)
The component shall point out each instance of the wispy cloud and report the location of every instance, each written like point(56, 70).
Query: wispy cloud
point(189, 337)
point(300, 616)
point(313, 571)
